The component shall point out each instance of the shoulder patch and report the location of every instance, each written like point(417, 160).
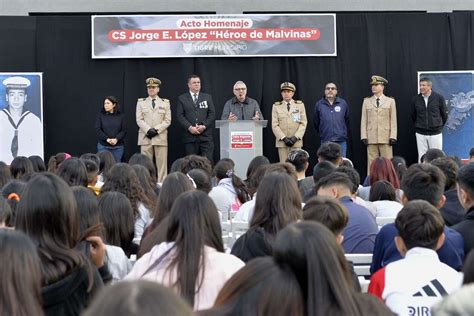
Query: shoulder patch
point(277, 103)
point(141, 99)
point(165, 100)
point(299, 102)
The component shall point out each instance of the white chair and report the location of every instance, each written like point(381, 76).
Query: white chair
point(384, 220)
point(362, 262)
point(239, 228)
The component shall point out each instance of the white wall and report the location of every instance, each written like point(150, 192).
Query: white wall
point(25, 7)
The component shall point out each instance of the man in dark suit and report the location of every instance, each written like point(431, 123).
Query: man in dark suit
point(196, 114)
point(429, 114)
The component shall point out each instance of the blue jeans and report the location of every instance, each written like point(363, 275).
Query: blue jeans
point(117, 151)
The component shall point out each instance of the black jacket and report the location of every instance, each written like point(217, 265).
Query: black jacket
point(452, 210)
point(465, 228)
point(189, 114)
point(429, 120)
point(254, 243)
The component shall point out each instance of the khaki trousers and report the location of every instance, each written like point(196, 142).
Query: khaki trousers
point(378, 150)
point(161, 159)
point(284, 151)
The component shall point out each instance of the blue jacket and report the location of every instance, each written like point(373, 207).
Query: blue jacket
point(331, 121)
point(385, 251)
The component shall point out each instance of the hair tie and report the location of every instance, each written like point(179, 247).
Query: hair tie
point(13, 196)
point(67, 156)
point(229, 173)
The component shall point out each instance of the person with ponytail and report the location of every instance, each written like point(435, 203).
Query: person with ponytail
point(230, 192)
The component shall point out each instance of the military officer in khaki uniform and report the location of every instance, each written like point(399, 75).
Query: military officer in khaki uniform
point(153, 118)
point(378, 126)
point(288, 121)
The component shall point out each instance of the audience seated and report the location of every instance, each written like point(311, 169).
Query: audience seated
point(331, 152)
point(312, 253)
point(21, 166)
point(400, 166)
point(56, 160)
point(383, 197)
point(38, 163)
point(412, 285)
point(191, 260)
point(380, 169)
point(278, 203)
point(5, 174)
point(73, 171)
point(107, 160)
point(360, 232)
point(299, 159)
point(145, 161)
point(452, 211)
point(320, 170)
point(143, 298)
point(432, 154)
point(254, 164)
point(92, 175)
point(466, 197)
point(5, 213)
point(420, 182)
point(201, 179)
point(13, 191)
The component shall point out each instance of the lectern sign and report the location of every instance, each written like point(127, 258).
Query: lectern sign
point(241, 139)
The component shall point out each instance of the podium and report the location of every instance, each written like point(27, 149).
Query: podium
point(241, 141)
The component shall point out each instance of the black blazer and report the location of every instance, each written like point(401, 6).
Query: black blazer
point(189, 114)
point(429, 120)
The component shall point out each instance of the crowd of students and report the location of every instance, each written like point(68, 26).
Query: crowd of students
point(88, 236)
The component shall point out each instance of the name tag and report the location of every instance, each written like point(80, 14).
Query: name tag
point(295, 115)
point(203, 105)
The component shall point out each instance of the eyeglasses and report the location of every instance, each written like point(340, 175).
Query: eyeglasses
point(240, 89)
point(331, 88)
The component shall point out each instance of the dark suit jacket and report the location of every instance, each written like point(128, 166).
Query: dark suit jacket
point(189, 114)
point(465, 228)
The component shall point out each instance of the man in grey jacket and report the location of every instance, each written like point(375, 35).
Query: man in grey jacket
point(241, 107)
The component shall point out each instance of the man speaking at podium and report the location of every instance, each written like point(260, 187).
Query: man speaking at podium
point(241, 107)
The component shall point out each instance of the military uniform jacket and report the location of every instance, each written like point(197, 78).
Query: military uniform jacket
point(149, 117)
point(378, 124)
point(289, 123)
point(201, 113)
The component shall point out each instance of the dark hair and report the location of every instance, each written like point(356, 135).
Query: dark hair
point(353, 176)
point(144, 298)
point(5, 212)
point(5, 174)
point(90, 156)
point(38, 163)
point(13, 191)
point(190, 232)
point(382, 168)
point(432, 154)
point(335, 178)
point(310, 250)
point(427, 80)
point(148, 186)
point(145, 161)
point(201, 179)
point(423, 182)
point(449, 169)
point(229, 160)
point(382, 190)
point(192, 77)
point(261, 287)
point(116, 215)
point(47, 213)
point(256, 178)
point(21, 166)
point(88, 209)
point(195, 162)
point(329, 151)
point(174, 185)
point(20, 275)
point(468, 269)
point(122, 178)
point(254, 164)
point(328, 211)
point(283, 167)
point(322, 169)
point(176, 165)
point(466, 178)
point(223, 170)
point(400, 166)
point(419, 224)
point(73, 171)
point(114, 101)
point(278, 203)
point(55, 161)
point(298, 158)
point(107, 160)
point(92, 170)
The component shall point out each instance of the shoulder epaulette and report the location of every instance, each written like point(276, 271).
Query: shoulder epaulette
point(278, 103)
point(141, 99)
point(165, 100)
point(299, 102)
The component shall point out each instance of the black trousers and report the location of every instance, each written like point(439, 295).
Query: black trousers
point(201, 148)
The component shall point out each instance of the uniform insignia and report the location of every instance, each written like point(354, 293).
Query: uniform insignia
point(278, 103)
point(299, 102)
point(141, 99)
point(165, 100)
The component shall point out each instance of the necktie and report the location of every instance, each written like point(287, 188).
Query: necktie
point(14, 147)
point(288, 106)
point(378, 102)
point(195, 98)
point(153, 103)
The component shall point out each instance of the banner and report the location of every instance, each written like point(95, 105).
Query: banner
point(136, 36)
point(457, 87)
point(21, 115)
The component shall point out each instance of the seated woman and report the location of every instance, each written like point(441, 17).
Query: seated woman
point(381, 169)
point(278, 203)
point(191, 260)
point(383, 197)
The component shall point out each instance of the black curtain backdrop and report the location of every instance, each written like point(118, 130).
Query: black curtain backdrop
point(393, 45)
